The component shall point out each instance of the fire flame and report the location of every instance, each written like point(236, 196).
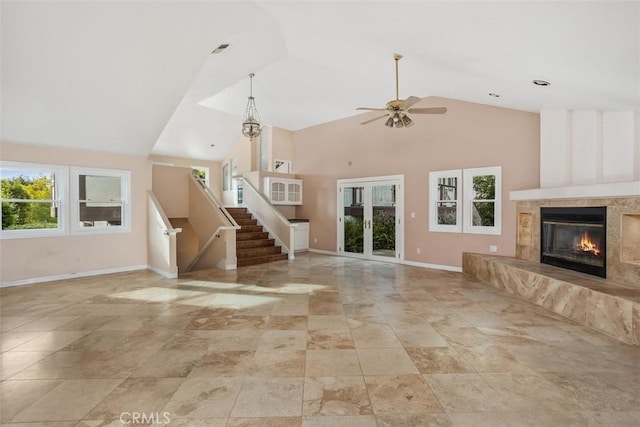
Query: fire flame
point(587, 245)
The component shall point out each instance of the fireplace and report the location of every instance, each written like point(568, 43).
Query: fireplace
point(575, 238)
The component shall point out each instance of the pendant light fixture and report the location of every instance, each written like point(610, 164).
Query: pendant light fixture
point(251, 120)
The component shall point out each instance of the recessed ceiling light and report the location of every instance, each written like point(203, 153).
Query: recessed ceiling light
point(220, 48)
point(541, 83)
point(495, 95)
point(213, 145)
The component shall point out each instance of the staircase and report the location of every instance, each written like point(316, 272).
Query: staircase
point(253, 245)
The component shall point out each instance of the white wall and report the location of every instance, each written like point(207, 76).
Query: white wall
point(588, 147)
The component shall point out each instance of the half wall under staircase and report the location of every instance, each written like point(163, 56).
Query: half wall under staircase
point(187, 243)
point(253, 245)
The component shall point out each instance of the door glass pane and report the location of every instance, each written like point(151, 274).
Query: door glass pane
point(353, 219)
point(384, 220)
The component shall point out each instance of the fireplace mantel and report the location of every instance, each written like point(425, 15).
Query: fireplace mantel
point(608, 190)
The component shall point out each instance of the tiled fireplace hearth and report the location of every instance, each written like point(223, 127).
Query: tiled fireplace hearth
point(610, 305)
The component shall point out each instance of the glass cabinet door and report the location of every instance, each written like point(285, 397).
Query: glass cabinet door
point(293, 192)
point(278, 192)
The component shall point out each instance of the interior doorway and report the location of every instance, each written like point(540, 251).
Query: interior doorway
point(370, 212)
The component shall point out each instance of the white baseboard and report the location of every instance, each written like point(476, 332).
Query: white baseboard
point(163, 273)
point(403, 262)
point(323, 252)
point(43, 279)
point(222, 265)
point(433, 266)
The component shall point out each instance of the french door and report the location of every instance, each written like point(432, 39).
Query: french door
point(369, 218)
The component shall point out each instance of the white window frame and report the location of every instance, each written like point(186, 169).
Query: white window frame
point(468, 175)
point(125, 194)
point(60, 193)
point(434, 199)
point(206, 172)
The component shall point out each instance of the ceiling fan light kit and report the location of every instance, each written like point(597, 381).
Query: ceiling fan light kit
point(251, 119)
point(397, 109)
point(398, 120)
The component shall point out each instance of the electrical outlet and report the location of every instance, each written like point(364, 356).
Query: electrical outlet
point(418, 251)
point(413, 215)
point(493, 248)
point(315, 240)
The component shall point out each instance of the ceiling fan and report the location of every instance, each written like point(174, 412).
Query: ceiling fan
point(397, 109)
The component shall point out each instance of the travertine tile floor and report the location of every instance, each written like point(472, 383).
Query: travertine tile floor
point(321, 341)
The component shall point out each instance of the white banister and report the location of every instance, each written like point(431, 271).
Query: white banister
point(161, 240)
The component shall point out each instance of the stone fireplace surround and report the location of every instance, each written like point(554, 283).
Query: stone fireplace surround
point(623, 234)
point(611, 305)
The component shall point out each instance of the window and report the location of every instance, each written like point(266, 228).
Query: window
point(482, 195)
point(32, 196)
point(234, 166)
point(265, 148)
point(445, 208)
point(201, 173)
point(234, 173)
point(225, 177)
point(100, 200)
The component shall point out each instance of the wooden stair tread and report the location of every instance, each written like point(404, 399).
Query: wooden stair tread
point(253, 245)
point(257, 251)
point(261, 260)
point(258, 235)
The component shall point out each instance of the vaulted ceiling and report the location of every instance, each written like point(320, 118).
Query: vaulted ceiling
point(140, 78)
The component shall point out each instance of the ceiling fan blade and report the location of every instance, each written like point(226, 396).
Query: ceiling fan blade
point(410, 101)
point(433, 110)
point(371, 109)
point(374, 119)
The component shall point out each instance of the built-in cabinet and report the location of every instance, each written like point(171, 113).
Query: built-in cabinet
point(283, 191)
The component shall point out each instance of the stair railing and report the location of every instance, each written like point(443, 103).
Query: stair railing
point(270, 218)
point(214, 226)
point(161, 240)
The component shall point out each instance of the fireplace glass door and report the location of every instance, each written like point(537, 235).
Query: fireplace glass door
point(574, 242)
point(574, 238)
